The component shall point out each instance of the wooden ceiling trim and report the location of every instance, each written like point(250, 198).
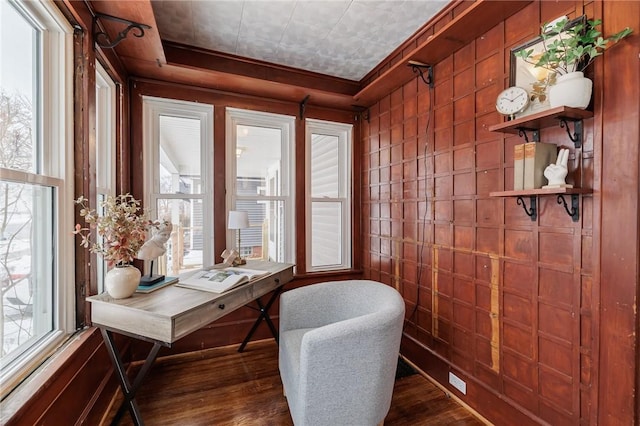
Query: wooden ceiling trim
point(149, 57)
point(237, 84)
point(148, 47)
point(469, 24)
point(410, 44)
point(178, 54)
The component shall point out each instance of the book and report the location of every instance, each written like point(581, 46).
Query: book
point(155, 286)
point(537, 156)
point(219, 280)
point(518, 167)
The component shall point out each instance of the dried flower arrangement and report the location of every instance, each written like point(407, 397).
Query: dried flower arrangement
point(122, 227)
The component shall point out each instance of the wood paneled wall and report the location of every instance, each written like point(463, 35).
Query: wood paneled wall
point(537, 317)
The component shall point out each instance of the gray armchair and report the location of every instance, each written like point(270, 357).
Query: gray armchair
point(339, 344)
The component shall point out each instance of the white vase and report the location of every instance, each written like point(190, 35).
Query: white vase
point(572, 90)
point(122, 281)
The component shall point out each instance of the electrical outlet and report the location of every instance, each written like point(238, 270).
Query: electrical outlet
point(458, 383)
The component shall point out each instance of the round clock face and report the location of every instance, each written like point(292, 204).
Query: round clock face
point(511, 101)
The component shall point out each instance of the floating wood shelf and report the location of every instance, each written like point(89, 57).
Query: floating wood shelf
point(541, 191)
point(549, 118)
point(468, 25)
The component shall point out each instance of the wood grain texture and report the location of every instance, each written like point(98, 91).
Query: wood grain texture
point(619, 229)
point(532, 345)
point(168, 314)
point(223, 387)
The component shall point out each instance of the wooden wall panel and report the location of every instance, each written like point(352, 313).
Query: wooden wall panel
point(510, 304)
point(619, 154)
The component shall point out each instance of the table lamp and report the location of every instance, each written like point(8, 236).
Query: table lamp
point(238, 220)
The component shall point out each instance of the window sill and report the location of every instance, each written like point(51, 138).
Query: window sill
point(32, 387)
point(332, 273)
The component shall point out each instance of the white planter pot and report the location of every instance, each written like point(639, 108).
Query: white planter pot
point(572, 90)
point(122, 281)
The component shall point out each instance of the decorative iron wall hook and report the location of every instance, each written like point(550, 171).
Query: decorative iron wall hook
point(419, 68)
point(101, 38)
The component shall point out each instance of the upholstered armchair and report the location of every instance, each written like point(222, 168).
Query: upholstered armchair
point(339, 344)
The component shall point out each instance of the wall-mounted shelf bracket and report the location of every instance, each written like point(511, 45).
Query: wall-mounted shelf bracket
point(303, 105)
point(363, 112)
point(420, 68)
point(535, 134)
point(531, 211)
point(576, 137)
point(573, 212)
point(575, 206)
point(102, 38)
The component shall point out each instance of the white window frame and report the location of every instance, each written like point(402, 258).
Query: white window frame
point(55, 132)
point(105, 147)
point(344, 134)
point(286, 124)
point(153, 108)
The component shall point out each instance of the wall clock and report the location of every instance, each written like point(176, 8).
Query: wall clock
point(512, 101)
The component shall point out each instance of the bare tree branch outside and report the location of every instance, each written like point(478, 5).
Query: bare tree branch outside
point(16, 153)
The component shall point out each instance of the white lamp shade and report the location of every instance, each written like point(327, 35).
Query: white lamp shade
point(238, 220)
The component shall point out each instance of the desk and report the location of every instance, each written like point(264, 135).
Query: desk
point(170, 313)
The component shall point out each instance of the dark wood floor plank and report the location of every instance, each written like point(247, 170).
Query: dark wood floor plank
point(223, 387)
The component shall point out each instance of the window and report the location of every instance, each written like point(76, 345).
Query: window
point(260, 181)
point(178, 143)
point(36, 208)
point(105, 149)
point(328, 195)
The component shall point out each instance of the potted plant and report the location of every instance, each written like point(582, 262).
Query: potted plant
point(122, 228)
point(567, 51)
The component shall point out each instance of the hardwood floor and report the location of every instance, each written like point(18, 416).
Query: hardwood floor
point(223, 387)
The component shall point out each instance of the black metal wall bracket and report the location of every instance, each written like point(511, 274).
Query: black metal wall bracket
point(420, 68)
point(532, 210)
point(575, 206)
point(101, 38)
point(576, 137)
point(303, 106)
point(535, 134)
point(362, 112)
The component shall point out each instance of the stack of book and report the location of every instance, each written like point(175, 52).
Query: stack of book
point(529, 161)
point(156, 285)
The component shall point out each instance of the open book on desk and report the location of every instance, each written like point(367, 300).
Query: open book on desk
point(219, 280)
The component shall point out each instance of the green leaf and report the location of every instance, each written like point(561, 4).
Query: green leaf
point(622, 34)
point(570, 48)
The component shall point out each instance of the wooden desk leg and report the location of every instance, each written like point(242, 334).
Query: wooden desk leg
point(264, 315)
point(128, 390)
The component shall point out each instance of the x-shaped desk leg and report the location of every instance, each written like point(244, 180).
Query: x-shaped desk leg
point(128, 389)
point(264, 315)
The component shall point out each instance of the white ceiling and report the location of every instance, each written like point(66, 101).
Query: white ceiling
point(342, 38)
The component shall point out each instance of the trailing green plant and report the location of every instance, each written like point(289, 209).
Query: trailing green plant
point(570, 48)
